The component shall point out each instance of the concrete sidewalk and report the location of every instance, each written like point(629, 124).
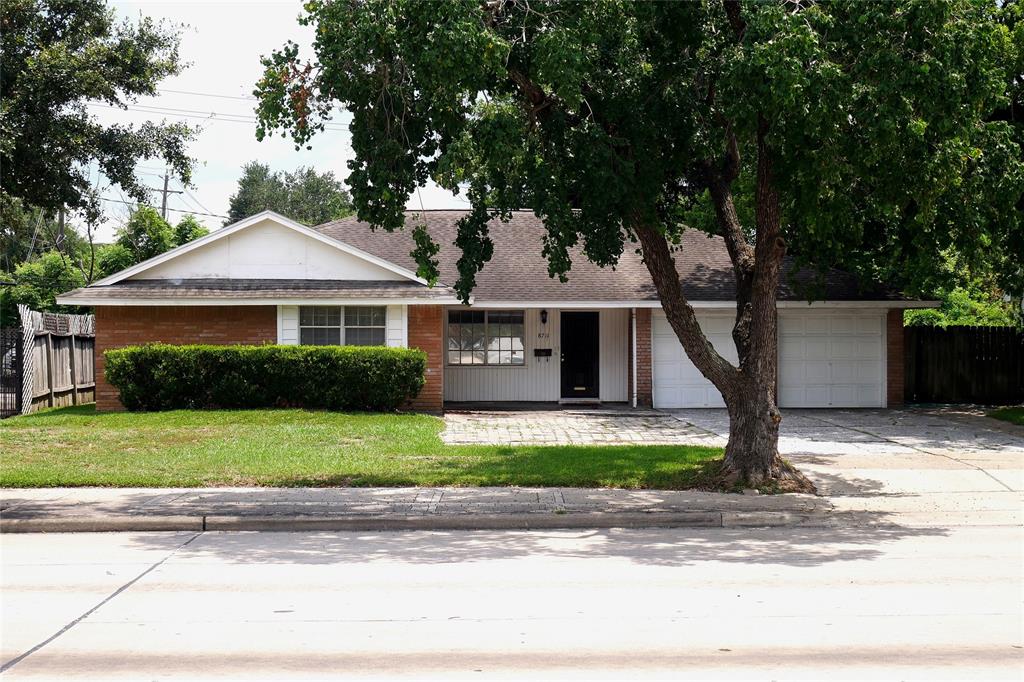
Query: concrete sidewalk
point(136, 509)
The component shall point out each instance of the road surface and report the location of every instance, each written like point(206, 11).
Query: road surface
point(878, 602)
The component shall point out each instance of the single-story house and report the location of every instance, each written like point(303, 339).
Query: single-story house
point(526, 337)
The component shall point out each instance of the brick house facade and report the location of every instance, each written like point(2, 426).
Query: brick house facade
point(248, 283)
point(119, 326)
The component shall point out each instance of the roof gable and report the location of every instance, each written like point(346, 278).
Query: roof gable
point(266, 246)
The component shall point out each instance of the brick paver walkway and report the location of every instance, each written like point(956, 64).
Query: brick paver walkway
point(572, 427)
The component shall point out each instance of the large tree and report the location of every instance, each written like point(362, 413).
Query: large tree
point(861, 128)
point(57, 57)
point(306, 195)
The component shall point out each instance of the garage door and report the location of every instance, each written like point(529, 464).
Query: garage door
point(831, 360)
point(677, 383)
point(825, 360)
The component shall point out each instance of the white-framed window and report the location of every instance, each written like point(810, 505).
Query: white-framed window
point(486, 337)
point(332, 325)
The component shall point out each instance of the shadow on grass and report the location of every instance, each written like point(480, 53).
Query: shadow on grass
point(666, 467)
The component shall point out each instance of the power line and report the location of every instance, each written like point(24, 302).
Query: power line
point(196, 113)
point(208, 94)
point(176, 210)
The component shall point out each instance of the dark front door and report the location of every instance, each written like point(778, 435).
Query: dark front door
point(579, 355)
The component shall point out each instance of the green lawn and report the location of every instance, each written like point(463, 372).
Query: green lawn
point(78, 447)
point(1014, 415)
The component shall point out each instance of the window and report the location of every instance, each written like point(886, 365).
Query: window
point(326, 325)
point(486, 337)
point(364, 326)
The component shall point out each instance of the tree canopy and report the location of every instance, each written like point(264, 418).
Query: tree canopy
point(308, 196)
point(57, 57)
point(590, 113)
point(864, 132)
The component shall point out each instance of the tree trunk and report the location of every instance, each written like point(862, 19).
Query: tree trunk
point(752, 453)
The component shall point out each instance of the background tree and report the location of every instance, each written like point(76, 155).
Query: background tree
point(56, 56)
point(306, 195)
point(144, 236)
point(37, 283)
point(188, 229)
point(863, 129)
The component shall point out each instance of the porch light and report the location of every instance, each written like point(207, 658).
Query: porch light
point(543, 316)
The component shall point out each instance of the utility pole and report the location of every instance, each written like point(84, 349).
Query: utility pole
point(165, 192)
point(163, 202)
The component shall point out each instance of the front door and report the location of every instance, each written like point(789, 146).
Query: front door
point(580, 364)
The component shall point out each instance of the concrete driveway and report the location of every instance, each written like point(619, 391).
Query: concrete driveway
point(928, 466)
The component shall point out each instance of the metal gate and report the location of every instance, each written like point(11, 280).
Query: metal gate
point(12, 367)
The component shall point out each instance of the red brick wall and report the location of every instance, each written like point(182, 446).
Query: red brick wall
point(894, 358)
point(426, 332)
point(118, 326)
point(644, 394)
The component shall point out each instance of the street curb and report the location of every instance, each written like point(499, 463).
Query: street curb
point(530, 521)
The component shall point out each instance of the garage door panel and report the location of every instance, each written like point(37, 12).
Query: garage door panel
point(816, 348)
point(815, 324)
point(840, 368)
point(825, 360)
point(677, 382)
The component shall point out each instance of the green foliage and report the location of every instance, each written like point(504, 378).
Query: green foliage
point(144, 236)
point(37, 283)
point(56, 57)
point(188, 229)
point(306, 196)
point(165, 377)
point(876, 120)
point(961, 306)
point(114, 258)
point(1014, 415)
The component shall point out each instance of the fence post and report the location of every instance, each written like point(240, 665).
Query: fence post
point(49, 367)
point(74, 373)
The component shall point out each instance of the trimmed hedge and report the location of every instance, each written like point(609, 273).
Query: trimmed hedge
point(160, 376)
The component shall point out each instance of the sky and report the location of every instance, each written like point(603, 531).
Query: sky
point(222, 42)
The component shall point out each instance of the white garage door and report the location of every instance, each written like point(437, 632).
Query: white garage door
point(825, 360)
point(677, 383)
point(831, 360)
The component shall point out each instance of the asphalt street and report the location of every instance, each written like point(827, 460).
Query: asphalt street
point(885, 603)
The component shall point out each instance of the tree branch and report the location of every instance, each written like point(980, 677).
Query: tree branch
point(679, 312)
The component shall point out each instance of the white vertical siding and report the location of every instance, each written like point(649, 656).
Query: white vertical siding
point(537, 380)
point(614, 354)
point(288, 325)
point(397, 321)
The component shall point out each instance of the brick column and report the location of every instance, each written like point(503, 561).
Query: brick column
point(119, 326)
point(644, 390)
point(426, 332)
point(894, 358)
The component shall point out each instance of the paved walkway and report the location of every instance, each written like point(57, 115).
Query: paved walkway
point(572, 427)
point(392, 508)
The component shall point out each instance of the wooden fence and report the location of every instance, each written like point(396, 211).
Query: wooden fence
point(982, 365)
point(56, 367)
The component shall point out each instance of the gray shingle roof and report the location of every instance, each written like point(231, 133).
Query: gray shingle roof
point(518, 271)
point(261, 288)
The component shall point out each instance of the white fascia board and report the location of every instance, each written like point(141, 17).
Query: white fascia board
point(142, 302)
point(241, 225)
point(723, 305)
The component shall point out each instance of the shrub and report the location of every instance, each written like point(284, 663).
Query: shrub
point(164, 377)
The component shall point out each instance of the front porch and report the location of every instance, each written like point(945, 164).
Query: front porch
point(545, 356)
